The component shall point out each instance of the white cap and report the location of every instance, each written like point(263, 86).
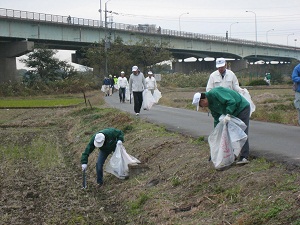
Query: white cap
point(196, 99)
point(220, 62)
point(122, 72)
point(99, 140)
point(150, 72)
point(134, 68)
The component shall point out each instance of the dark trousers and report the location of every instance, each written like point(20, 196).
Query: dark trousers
point(122, 94)
point(137, 101)
point(245, 117)
point(99, 166)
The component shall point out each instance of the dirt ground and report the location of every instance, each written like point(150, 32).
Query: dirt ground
point(41, 179)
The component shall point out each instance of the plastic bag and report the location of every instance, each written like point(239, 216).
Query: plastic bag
point(103, 88)
point(156, 95)
point(220, 147)
point(118, 163)
point(247, 96)
point(226, 141)
point(127, 94)
point(148, 100)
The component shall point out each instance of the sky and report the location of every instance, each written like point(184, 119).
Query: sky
point(277, 21)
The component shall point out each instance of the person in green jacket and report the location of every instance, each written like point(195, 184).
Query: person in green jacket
point(224, 101)
point(106, 140)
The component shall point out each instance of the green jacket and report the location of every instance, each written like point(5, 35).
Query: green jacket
point(225, 101)
point(112, 136)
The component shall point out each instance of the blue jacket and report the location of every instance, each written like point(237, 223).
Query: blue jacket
point(107, 81)
point(296, 76)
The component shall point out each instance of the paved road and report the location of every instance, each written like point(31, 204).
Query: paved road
point(273, 141)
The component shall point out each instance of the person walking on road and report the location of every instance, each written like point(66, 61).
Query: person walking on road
point(151, 82)
point(122, 83)
point(112, 85)
point(106, 140)
point(224, 101)
point(296, 88)
point(107, 84)
point(137, 85)
point(223, 77)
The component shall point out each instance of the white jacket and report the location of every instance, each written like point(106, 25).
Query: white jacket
point(122, 82)
point(229, 81)
point(151, 83)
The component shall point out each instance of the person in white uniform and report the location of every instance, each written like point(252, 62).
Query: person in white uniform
point(223, 77)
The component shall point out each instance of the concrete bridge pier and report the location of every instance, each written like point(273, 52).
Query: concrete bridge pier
point(8, 53)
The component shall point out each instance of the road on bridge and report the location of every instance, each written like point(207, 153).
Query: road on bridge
point(273, 141)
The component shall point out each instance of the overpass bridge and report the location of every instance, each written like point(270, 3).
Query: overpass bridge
point(21, 29)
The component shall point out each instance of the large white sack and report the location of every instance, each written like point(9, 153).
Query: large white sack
point(118, 163)
point(226, 141)
point(156, 95)
point(220, 147)
point(148, 100)
point(247, 96)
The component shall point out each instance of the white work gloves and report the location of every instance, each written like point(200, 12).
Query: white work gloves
point(226, 119)
point(84, 166)
point(119, 142)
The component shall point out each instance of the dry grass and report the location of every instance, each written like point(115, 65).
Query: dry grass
point(273, 104)
point(188, 190)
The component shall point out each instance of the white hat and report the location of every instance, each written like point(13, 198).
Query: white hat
point(122, 72)
point(196, 100)
point(150, 72)
point(134, 68)
point(220, 62)
point(99, 140)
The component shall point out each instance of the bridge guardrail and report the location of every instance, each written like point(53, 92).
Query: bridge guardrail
point(26, 15)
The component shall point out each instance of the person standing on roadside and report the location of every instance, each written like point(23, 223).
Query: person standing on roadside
point(151, 82)
point(106, 140)
point(137, 85)
point(224, 101)
point(223, 77)
point(122, 83)
point(296, 88)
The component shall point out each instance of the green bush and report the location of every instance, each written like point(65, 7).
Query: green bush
point(184, 80)
point(259, 82)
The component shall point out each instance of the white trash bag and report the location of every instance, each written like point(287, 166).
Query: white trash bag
point(148, 100)
point(127, 94)
point(220, 147)
point(118, 163)
point(103, 88)
point(226, 141)
point(156, 95)
point(247, 96)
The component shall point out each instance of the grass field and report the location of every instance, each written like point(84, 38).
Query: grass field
point(41, 177)
point(29, 103)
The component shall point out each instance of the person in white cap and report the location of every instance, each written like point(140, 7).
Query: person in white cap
point(223, 77)
point(122, 84)
point(151, 82)
point(106, 140)
point(137, 85)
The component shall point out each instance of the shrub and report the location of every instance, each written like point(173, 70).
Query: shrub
point(257, 83)
point(184, 80)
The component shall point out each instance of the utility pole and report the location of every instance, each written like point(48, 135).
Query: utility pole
point(106, 42)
